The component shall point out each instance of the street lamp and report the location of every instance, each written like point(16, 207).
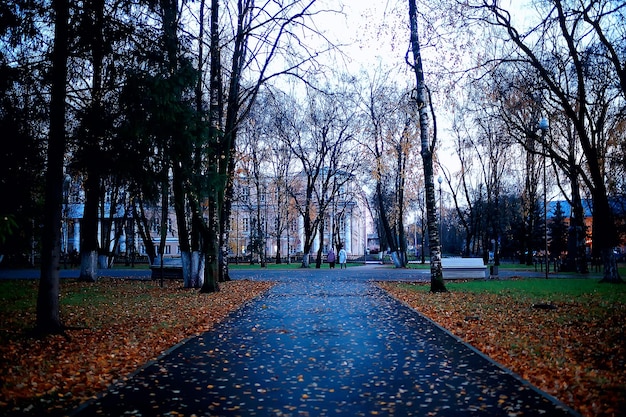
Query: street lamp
point(543, 125)
point(440, 180)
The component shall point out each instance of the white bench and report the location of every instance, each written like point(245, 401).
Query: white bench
point(172, 268)
point(463, 268)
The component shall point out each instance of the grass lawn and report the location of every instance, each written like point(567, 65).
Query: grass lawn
point(292, 265)
point(565, 336)
point(269, 265)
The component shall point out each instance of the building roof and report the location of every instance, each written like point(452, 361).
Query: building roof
point(618, 205)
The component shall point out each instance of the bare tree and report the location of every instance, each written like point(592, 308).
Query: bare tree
point(390, 140)
point(559, 52)
point(427, 150)
point(260, 34)
point(321, 141)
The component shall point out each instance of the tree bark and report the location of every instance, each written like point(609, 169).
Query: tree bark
point(384, 220)
point(89, 246)
point(436, 271)
point(143, 227)
point(179, 194)
point(48, 314)
point(196, 274)
point(216, 106)
point(89, 230)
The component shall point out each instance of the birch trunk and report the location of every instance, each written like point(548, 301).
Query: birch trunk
point(436, 272)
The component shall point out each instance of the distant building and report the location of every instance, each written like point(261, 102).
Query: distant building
point(267, 214)
point(265, 218)
point(619, 210)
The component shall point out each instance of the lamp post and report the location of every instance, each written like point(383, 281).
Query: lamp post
point(543, 125)
point(440, 181)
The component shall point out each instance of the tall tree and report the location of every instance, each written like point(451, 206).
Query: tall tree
point(48, 314)
point(390, 142)
point(572, 92)
point(320, 138)
point(210, 230)
point(428, 147)
point(261, 35)
point(93, 132)
point(23, 100)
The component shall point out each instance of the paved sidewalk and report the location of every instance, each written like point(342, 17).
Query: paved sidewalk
point(324, 343)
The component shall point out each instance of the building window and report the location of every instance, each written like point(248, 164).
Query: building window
point(342, 224)
point(245, 224)
point(245, 194)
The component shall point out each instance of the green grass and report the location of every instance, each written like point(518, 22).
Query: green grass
point(293, 265)
point(16, 295)
point(530, 268)
point(542, 290)
point(246, 265)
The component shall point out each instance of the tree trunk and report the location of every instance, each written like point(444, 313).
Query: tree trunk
point(212, 249)
point(165, 198)
point(211, 243)
point(181, 223)
point(604, 235)
point(389, 235)
point(196, 273)
point(308, 244)
point(197, 246)
point(226, 164)
point(92, 153)
point(320, 249)
point(89, 230)
point(402, 157)
point(309, 227)
point(576, 256)
point(437, 284)
point(436, 271)
point(305, 259)
point(225, 227)
point(144, 231)
point(277, 231)
point(48, 314)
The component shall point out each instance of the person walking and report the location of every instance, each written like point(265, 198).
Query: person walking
point(331, 258)
point(343, 258)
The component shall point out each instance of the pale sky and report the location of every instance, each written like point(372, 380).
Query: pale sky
point(367, 29)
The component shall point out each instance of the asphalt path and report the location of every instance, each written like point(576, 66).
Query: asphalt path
point(324, 343)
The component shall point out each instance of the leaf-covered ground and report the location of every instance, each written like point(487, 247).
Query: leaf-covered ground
point(575, 351)
point(116, 326)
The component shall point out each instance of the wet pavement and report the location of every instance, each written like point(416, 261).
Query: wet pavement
point(324, 343)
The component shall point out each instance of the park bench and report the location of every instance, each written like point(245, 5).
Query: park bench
point(172, 268)
point(463, 268)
